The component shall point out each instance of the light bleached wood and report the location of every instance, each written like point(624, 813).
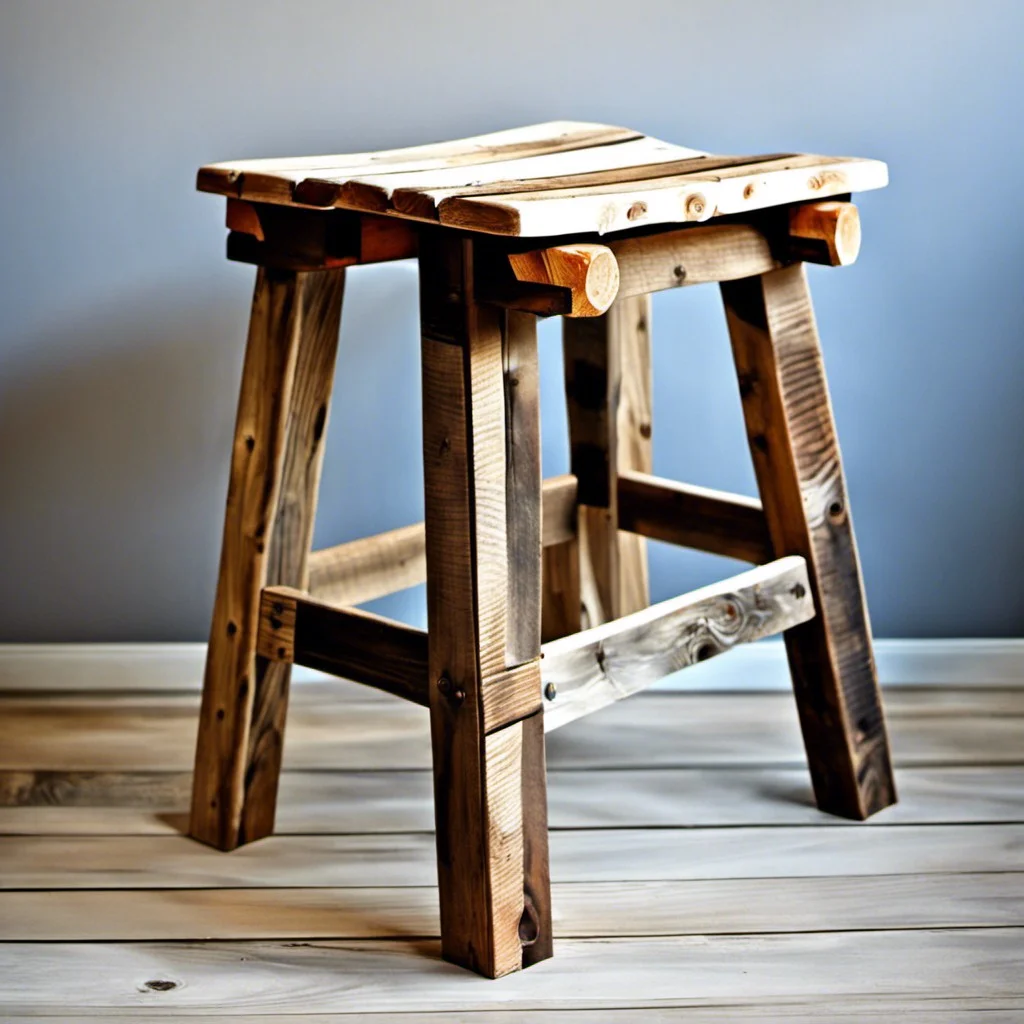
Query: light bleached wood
point(696, 517)
point(687, 198)
point(553, 179)
point(371, 567)
point(379, 975)
point(325, 802)
point(606, 663)
point(580, 855)
point(827, 233)
point(358, 645)
point(692, 255)
point(275, 469)
point(588, 271)
point(585, 909)
point(274, 179)
point(418, 192)
point(811, 1010)
point(800, 477)
point(340, 729)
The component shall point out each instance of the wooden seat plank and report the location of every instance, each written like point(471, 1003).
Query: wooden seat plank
point(556, 178)
point(273, 179)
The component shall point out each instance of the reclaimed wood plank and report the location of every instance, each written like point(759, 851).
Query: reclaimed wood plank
point(358, 645)
point(616, 909)
point(799, 472)
point(379, 975)
point(606, 663)
point(578, 855)
point(695, 517)
point(274, 179)
point(282, 415)
point(327, 802)
point(371, 567)
point(478, 776)
point(339, 731)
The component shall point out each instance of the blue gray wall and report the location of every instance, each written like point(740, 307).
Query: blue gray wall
point(122, 326)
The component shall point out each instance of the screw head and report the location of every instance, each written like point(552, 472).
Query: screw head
point(551, 691)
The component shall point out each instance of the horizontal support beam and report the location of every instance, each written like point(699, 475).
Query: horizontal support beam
point(363, 570)
point(293, 239)
point(345, 642)
point(589, 670)
point(826, 233)
point(694, 517)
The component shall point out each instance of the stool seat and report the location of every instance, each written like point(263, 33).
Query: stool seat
point(555, 178)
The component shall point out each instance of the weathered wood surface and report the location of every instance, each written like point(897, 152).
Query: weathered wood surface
point(547, 179)
point(606, 663)
point(695, 517)
point(385, 802)
point(339, 727)
point(586, 909)
point(357, 645)
point(478, 775)
point(577, 855)
point(381, 975)
point(608, 394)
point(275, 470)
point(800, 477)
point(371, 567)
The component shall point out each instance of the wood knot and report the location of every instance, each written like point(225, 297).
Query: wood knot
point(636, 211)
point(695, 206)
point(680, 273)
point(529, 924)
point(798, 591)
point(749, 190)
point(645, 431)
point(159, 985)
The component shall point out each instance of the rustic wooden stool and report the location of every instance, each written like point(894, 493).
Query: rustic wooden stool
point(570, 219)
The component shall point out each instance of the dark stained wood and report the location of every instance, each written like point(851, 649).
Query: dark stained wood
point(275, 469)
point(356, 645)
point(608, 394)
point(799, 472)
point(561, 607)
point(523, 486)
point(477, 775)
point(695, 517)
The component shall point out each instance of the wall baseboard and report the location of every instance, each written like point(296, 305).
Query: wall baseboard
point(179, 666)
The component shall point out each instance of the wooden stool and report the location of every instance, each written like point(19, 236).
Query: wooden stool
point(570, 219)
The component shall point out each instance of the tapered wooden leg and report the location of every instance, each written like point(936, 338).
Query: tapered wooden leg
point(275, 470)
point(608, 391)
point(799, 472)
point(482, 482)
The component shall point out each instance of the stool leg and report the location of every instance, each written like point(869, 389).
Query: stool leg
point(608, 392)
point(482, 482)
point(275, 472)
point(800, 476)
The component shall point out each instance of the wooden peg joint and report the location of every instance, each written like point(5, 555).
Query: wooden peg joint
point(827, 233)
point(590, 272)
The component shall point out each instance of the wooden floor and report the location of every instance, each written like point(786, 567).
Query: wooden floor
point(693, 878)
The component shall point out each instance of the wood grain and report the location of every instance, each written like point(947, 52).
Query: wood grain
point(371, 567)
point(357, 645)
point(282, 415)
point(355, 976)
point(800, 476)
point(608, 395)
point(586, 909)
point(478, 776)
point(606, 663)
point(695, 517)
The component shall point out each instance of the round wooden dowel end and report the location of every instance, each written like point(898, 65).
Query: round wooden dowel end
point(826, 233)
